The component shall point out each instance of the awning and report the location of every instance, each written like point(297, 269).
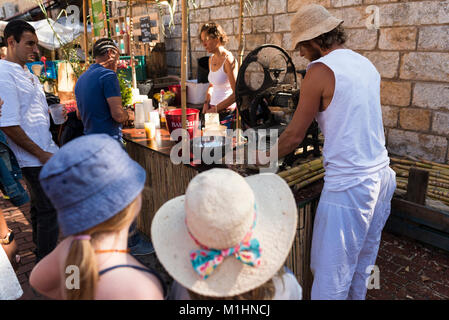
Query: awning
point(47, 38)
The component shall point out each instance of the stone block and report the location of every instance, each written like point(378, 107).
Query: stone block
point(431, 95)
point(276, 6)
point(293, 5)
point(434, 38)
point(385, 62)
point(252, 41)
point(353, 17)
point(258, 8)
point(414, 13)
point(395, 93)
point(390, 116)
point(425, 66)
point(414, 119)
point(209, 3)
point(361, 39)
point(227, 12)
point(345, 3)
point(247, 23)
point(227, 25)
point(274, 38)
point(199, 15)
point(233, 43)
point(287, 41)
point(262, 24)
point(282, 22)
point(440, 123)
point(398, 38)
point(416, 144)
point(379, 1)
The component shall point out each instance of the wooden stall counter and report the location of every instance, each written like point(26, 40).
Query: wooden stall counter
point(165, 180)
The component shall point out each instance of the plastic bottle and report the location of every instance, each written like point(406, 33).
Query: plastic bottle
point(162, 108)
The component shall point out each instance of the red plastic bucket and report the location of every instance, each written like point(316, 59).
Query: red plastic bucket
point(174, 122)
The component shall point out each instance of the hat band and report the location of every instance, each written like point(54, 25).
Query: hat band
point(205, 261)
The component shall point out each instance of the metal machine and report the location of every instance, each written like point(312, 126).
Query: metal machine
point(267, 94)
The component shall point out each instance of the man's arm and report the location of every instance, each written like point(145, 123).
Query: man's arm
point(312, 88)
point(117, 111)
point(16, 134)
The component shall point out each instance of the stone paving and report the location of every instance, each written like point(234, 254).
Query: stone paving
point(408, 269)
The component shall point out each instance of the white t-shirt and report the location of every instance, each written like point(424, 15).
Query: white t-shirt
point(286, 288)
point(25, 105)
point(10, 288)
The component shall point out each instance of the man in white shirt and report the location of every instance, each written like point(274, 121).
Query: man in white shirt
point(25, 120)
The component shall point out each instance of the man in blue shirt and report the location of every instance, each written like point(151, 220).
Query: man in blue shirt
point(98, 95)
point(100, 109)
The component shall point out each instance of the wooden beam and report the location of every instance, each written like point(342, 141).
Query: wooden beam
point(433, 218)
point(417, 185)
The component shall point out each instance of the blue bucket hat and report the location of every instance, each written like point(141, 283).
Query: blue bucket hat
point(89, 180)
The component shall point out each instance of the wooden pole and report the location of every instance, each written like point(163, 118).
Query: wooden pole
point(240, 60)
point(131, 45)
point(184, 63)
point(86, 41)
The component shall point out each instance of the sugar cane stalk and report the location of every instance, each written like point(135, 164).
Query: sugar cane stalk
point(305, 177)
point(309, 181)
point(300, 167)
point(299, 174)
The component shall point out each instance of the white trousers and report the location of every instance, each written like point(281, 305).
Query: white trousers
point(346, 236)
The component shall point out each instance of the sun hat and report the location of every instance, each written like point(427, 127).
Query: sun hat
point(311, 21)
point(222, 214)
point(89, 180)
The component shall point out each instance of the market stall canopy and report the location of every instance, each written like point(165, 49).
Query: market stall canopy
point(47, 38)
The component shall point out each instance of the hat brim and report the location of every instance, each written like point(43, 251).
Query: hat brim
point(275, 229)
point(330, 24)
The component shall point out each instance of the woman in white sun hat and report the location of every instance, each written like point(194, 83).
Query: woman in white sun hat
point(233, 248)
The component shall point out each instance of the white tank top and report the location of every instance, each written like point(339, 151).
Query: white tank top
point(221, 86)
point(354, 138)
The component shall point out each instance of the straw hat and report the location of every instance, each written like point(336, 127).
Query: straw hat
point(311, 21)
point(218, 210)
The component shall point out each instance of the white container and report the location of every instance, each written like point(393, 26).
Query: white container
point(57, 113)
point(196, 92)
point(154, 118)
point(147, 108)
point(139, 116)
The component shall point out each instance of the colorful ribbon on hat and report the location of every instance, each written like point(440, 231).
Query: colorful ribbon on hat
point(205, 260)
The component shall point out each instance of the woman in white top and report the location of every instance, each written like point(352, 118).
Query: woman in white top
point(223, 70)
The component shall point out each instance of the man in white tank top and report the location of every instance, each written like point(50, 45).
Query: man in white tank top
point(342, 91)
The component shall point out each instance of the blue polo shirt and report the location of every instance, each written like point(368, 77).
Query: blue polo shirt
point(91, 91)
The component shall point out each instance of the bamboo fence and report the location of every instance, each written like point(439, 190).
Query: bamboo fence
point(438, 185)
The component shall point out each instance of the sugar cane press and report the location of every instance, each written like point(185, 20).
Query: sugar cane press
point(267, 94)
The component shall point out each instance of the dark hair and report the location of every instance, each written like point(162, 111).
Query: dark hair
point(16, 28)
point(215, 30)
point(328, 39)
point(102, 46)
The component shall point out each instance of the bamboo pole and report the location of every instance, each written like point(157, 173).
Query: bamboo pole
point(305, 177)
point(300, 167)
point(309, 181)
point(184, 63)
point(131, 44)
point(301, 173)
point(241, 49)
point(86, 40)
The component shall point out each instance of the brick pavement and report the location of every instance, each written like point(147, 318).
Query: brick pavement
point(408, 269)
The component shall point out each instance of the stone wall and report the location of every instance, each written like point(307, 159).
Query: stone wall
point(409, 46)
